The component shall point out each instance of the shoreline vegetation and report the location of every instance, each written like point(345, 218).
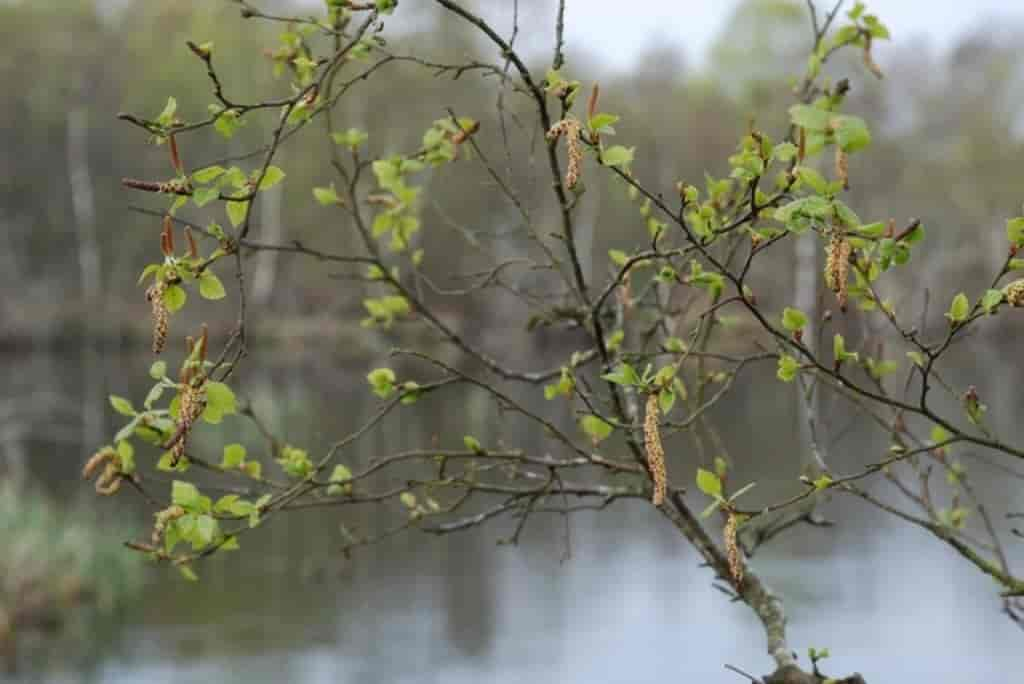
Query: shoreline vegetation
point(60, 571)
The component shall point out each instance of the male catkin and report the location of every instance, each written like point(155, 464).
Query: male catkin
point(655, 451)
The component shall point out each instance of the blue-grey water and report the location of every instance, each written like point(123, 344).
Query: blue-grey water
point(629, 604)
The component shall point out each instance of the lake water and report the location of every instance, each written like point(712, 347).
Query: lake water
point(629, 604)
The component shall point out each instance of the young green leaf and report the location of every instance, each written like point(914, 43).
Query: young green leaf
point(617, 155)
point(788, 367)
point(122, 405)
point(185, 494)
point(709, 483)
point(234, 456)
point(851, 133)
point(793, 319)
point(272, 177)
point(382, 380)
point(210, 286)
point(596, 428)
point(237, 212)
point(958, 309)
point(174, 298)
point(1015, 231)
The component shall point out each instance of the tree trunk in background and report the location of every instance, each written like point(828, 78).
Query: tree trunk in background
point(264, 275)
point(808, 277)
point(83, 208)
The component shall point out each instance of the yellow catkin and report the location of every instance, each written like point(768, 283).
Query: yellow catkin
point(109, 482)
point(163, 519)
point(161, 316)
point(1015, 293)
point(192, 405)
point(732, 549)
point(570, 129)
point(869, 61)
point(96, 461)
point(655, 451)
point(843, 167)
point(837, 267)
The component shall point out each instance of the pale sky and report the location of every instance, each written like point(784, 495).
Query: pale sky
point(618, 30)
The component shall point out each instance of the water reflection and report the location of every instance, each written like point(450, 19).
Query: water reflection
point(630, 604)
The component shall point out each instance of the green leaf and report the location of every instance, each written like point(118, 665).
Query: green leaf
point(203, 196)
point(207, 530)
point(326, 196)
point(340, 474)
point(823, 482)
point(812, 178)
point(237, 212)
point(188, 573)
point(617, 155)
point(185, 495)
point(1015, 231)
point(174, 298)
point(624, 374)
point(208, 175)
point(408, 499)
point(148, 271)
point(851, 132)
point(158, 370)
point(210, 286)
point(709, 483)
point(602, 123)
point(666, 400)
point(675, 345)
point(873, 230)
point(234, 456)
point(351, 138)
point(126, 455)
point(272, 177)
point(596, 428)
point(618, 257)
point(811, 118)
point(992, 299)
point(879, 369)
point(295, 461)
point(167, 115)
point(220, 401)
point(784, 152)
point(793, 319)
point(958, 309)
point(382, 380)
point(939, 435)
point(122, 405)
point(472, 444)
point(839, 352)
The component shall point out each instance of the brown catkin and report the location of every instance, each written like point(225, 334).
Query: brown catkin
point(161, 316)
point(1015, 293)
point(843, 167)
point(837, 267)
point(95, 461)
point(655, 451)
point(192, 405)
point(732, 548)
point(109, 482)
point(164, 518)
point(570, 129)
point(869, 61)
